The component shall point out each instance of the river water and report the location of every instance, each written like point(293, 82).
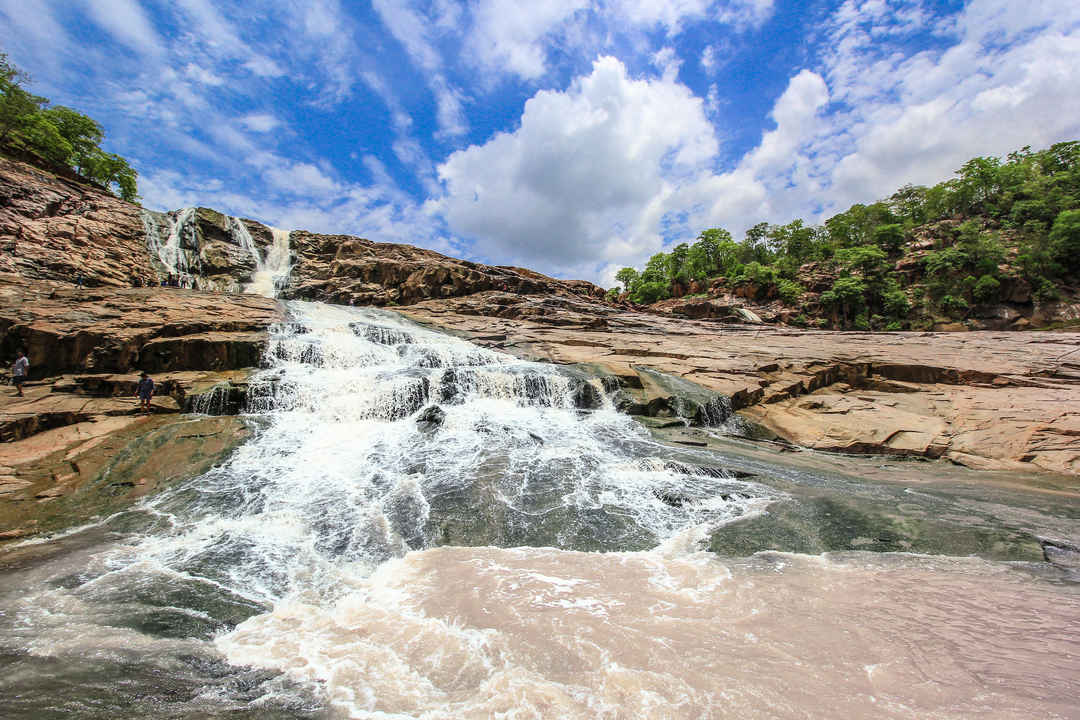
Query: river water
point(524, 551)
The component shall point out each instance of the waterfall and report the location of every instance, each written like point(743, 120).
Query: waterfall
point(166, 245)
point(354, 467)
point(173, 247)
point(272, 270)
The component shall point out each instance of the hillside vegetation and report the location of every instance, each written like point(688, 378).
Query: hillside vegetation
point(57, 136)
point(1000, 231)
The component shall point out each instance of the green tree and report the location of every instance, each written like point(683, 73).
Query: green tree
point(1065, 239)
point(627, 277)
point(848, 295)
point(43, 137)
point(656, 269)
point(59, 135)
point(16, 104)
point(677, 271)
point(81, 132)
point(889, 238)
point(987, 289)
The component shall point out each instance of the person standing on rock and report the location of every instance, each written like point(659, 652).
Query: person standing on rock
point(145, 391)
point(19, 371)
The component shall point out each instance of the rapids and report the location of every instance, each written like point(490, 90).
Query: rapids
point(424, 528)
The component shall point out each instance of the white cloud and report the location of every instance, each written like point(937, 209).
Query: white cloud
point(509, 35)
point(202, 75)
point(413, 30)
point(583, 181)
point(127, 22)
point(301, 179)
point(1007, 80)
point(260, 122)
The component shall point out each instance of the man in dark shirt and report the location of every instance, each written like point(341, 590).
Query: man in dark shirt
point(19, 371)
point(145, 391)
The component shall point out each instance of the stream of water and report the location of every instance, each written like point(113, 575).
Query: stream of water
point(521, 551)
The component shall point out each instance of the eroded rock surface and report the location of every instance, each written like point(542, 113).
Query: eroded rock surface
point(353, 271)
point(992, 400)
point(79, 417)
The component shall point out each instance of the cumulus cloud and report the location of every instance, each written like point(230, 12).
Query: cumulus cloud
point(583, 178)
point(1005, 80)
point(509, 35)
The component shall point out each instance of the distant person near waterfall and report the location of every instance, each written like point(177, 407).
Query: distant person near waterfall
point(19, 371)
point(145, 391)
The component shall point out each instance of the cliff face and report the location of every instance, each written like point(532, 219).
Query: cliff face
point(52, 228)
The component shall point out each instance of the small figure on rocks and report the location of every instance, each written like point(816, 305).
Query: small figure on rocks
point(19, 371)
point(145, 391)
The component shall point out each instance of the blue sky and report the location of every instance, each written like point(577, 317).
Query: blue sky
point(569, 136)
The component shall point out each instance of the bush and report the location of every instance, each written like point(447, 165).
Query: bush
point(646, 293)
point(758, 274)
point(889, 238)
point(987, 289)
point(954, 305)
point(944, 262)
point(895, 303)
point(1065, 239)
point(1045, 290)
point(790, 292)
point(894, 326)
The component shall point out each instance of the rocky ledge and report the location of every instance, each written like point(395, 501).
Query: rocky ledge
point(77, 439)
point(988, 400)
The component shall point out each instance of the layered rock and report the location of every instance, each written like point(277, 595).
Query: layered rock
point(353, 271)
point(54, 228)
point(989, 400)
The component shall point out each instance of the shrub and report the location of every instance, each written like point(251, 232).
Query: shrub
point(1065, 239)
point(895, 303)
point(953, 304)
point(790, 291)
point(649, 292)
point(987, 289)
point(943, 262)
point(889, 237)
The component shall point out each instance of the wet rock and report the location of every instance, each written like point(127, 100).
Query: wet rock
point(381, 334)
point(430, 418)
point(586, 396)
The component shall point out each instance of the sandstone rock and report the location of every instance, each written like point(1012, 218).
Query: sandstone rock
point(999, 397)
point(116, 330)
point(354, 271)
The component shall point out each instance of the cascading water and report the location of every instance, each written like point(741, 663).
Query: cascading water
point(171, 240)
point(272, 269)
point(166, 245)
point(423, 528)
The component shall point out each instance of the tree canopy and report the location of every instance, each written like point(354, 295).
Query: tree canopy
point(58, 135)
point(1028, 201)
